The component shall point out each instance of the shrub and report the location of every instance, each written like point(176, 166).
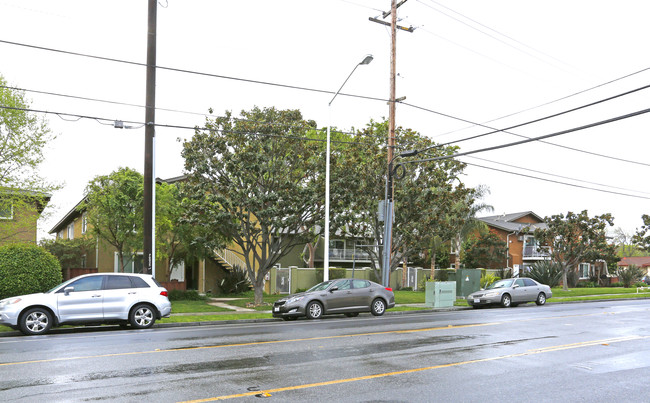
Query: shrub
point(546, 272)
point(188, 295)
point(235, 282)
point(616, 285)
point(640, 284)
point(586, 284)
point(27, 269)
point(406, 289)
point(488, 279)
point(630, 275)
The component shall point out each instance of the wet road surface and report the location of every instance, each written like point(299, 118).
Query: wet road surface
point(591, 352)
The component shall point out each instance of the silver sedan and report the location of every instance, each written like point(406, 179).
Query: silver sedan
point(344, 296)
point(511, 292)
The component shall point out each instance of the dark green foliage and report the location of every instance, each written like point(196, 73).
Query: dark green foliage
point(188, 295)
point(586, 284)
point(630, 275)
point(235, 282)
point(486, 250)
point(406, 289)
point(504, 272)
point(69, 252)
point(616, 285)
point(546, 272)
point(27, 269)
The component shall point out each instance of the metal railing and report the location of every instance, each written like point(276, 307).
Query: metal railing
point(349, 254)
point(230, 257)
point(536, 252)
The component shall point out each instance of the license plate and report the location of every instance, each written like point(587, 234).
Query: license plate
point(477, 300)
point(276, 309)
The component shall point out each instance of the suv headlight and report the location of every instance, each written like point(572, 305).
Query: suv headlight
point(9, 301)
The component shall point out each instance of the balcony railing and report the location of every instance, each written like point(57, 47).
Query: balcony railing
point(348, 254)
point(536, 252)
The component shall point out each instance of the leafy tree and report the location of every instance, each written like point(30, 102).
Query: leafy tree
point(429, 199)
point(485, 250)
point(176, 237)
point(69, 252)
point(114, 205)
point(642, 236)
point(23, 193)
point(576, 238)
point(27, 269)
point(256, 181)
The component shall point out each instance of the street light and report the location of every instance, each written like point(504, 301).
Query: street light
point(326, 263)
point(388, 216)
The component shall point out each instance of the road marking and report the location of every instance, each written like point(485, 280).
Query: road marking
point(405, 331)
point(253, 343)
point(269, 392)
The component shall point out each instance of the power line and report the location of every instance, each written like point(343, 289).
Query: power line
point(558, 182)
point(547, 103)
point(558, 176)
point(529, 140)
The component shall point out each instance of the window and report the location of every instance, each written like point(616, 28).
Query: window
point(132, 264)
point(519, 282)
point(360, 283)
point(137, 282)
point(93, 283)
point(178, 271)
point(583, 270)
point(118, 282)
point(71, 231)
point(84, 223)
point(529, 283)
point(343, 284)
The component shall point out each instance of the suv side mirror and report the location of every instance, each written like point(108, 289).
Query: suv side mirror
point(68, 290)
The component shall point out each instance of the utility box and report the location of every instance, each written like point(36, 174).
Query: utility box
point(440, 294)
point(467, 281)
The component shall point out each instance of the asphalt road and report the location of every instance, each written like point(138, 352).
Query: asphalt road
point(582, 352)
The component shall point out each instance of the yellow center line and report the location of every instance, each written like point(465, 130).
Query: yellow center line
point(258, 343)
point(269, 392)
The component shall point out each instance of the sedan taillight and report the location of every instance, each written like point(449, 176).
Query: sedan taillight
point(389, 289)
point(164, 293)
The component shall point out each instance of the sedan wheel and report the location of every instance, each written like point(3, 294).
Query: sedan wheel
point(142, 317)
point(506, 300)
point(378, 307)
point(36, 321)
point(541, 299)
point(314, 310)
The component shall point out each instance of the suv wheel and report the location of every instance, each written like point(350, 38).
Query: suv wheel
point(142, 316)
point(35, 321)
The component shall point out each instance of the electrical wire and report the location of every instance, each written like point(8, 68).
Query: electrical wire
point(557, 176)
point(558, 182)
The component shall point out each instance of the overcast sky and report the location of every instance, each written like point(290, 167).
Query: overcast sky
point(468, 62)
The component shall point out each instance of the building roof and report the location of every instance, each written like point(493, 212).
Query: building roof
point(641, 261)
point(507, 222)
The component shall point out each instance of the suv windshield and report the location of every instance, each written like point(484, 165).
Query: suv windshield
point(500, 284)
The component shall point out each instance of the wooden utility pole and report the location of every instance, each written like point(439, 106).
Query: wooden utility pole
point(148, 256)
point(391, 99)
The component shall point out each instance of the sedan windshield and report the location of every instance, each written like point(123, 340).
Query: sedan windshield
point(500, 284)
point(320, 287)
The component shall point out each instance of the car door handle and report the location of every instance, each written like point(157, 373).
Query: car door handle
point(96, 296)
point(132, 292)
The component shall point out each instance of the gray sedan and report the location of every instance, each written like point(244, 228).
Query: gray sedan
point(344, 296)
point(511, 292)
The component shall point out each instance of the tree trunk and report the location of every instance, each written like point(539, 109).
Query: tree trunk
point(565, 285)
point(259, 289)
point(433, 267)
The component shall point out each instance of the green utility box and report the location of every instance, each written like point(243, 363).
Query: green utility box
point(467, 281)
point(440, 294)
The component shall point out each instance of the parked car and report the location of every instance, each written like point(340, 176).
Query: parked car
point(511, 292)
point(343, 296)
point(646, 279)
point(120, 298)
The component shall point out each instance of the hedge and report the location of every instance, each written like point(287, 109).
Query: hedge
point(27, 269)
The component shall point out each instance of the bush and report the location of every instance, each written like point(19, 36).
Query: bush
point(188, 295)
point(640, 284)
point(235, 282)
point(27, 269)
point(488, 279)
point(586, 284)
point(406, 289)
point(630, 275)
point(546, 272)
point(616, 285)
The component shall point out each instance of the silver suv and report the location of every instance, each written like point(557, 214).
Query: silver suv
point(121, 298)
